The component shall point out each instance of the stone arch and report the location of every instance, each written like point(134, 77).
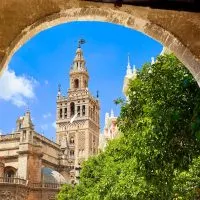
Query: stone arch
point(129, 16)
point(10, 172)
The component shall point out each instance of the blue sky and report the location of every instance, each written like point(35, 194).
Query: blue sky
point(37, 68)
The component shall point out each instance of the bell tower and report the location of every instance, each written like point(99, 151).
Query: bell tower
point(78, 74)
point(77, 120)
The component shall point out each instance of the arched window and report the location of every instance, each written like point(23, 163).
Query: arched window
point(76, 83)
point(72, 109)
point(83, 110)
point(9, 172)
point(60, 112)
point(71, 153)
point(71, 140)
point(65, 112)
point(78, 111)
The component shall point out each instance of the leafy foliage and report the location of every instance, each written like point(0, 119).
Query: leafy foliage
point(153, 157)
point(187, 183)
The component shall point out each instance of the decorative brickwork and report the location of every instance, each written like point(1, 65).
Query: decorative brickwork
point(22, 19)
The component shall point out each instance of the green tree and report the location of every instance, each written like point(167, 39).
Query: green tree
point(160, 129)
point(161, 115)
point(187, 183)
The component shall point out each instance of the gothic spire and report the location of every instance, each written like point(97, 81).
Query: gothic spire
point(59, 91)
point(128, 70)
point(129, 64)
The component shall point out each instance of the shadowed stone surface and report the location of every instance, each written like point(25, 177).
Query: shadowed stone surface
point(22, 19)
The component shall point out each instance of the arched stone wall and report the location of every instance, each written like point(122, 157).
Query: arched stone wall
point(22, 19)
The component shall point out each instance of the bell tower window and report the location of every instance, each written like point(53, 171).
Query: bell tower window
point(72, 109)
point(76, 83)
point(72, 140)
point(78, 111)
point(60, 112)
point(83, 110)
point(65, 112)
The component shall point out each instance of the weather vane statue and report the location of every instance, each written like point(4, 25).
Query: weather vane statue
point(80, 42)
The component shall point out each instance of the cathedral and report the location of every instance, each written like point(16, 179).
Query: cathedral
point(32, 167)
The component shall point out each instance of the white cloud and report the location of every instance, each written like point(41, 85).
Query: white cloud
point(17, 89)
point(54, 124)
point(44, 127)
point(47, 115)
point(1, 132)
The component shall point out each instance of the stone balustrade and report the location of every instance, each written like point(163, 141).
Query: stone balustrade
point(46, 185)
point(12, 180)
point(20, 181)
point(10, 137)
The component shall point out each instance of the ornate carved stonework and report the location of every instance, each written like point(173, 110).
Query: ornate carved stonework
point(52, 196)
point(7, 195)
point(81, 141)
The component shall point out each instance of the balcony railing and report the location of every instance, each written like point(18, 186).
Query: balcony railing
point(13, 180)
point(46, 185)
point(20, 181)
